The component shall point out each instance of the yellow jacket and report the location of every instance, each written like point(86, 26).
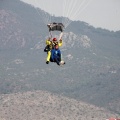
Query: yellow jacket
point(51, 43)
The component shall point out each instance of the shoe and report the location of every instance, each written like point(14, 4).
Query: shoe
point(62, 63)
point(47, 62)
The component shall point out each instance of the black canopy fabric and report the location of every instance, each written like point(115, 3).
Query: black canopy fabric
point(56, 26)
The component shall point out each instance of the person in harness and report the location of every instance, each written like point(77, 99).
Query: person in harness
point(50, 45)
point(56, 54)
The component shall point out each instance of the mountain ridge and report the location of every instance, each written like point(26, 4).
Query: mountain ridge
point(44, 105)
point(92, 58)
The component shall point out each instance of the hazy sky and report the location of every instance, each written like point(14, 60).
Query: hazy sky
point(98, 13)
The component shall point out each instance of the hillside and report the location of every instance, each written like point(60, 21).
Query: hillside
point(41, 105)
point(92, 57)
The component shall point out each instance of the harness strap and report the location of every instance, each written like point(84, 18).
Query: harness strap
point(61, 34)
point(50, 34)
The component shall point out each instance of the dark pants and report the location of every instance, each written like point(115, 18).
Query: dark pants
point(56, 59)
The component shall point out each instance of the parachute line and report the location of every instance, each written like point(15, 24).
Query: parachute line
point(71, 10)
point(75, 12)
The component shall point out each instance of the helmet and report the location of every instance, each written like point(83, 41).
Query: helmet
point(54, 39)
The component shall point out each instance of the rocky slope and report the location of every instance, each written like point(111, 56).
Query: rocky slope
point(42, 105)
point(92, 57)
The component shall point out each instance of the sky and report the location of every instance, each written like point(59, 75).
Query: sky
point(98, 13)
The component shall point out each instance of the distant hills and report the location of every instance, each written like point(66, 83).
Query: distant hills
point(43, 105)
point(92, 57)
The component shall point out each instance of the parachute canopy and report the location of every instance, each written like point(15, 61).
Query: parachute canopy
point(55, 26)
